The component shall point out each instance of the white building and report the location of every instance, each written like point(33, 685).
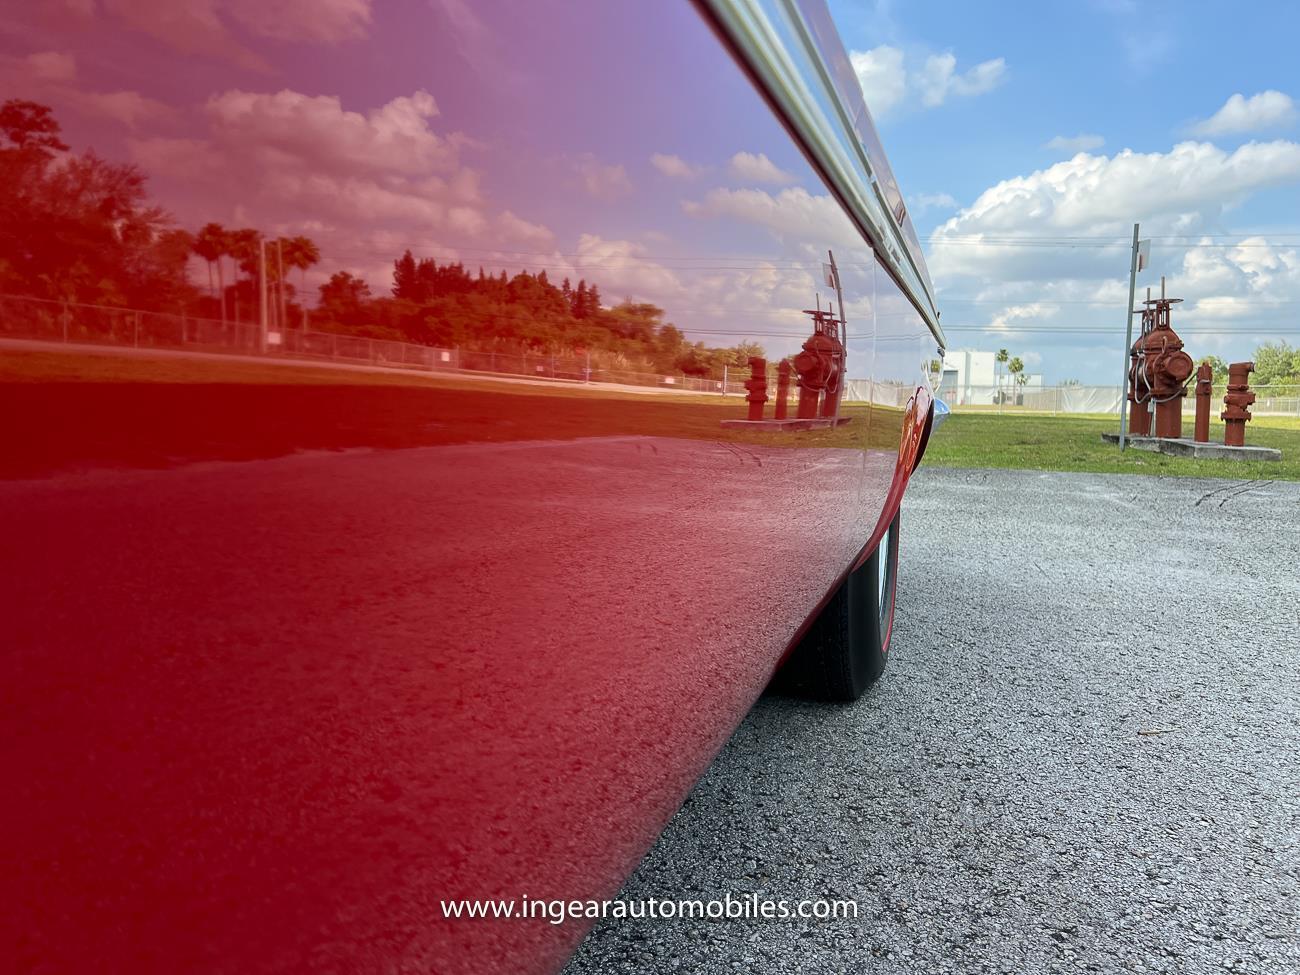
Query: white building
point(974, 377)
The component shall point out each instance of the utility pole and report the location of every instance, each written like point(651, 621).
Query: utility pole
point(844, 332)
point(263, 309)
point(279, 283)
point(1128, 341)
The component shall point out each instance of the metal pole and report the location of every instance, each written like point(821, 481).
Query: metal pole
point(279, 284)
point(1128, 342)
point(261, 290)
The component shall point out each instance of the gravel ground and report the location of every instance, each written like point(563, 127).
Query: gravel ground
point(1043, 781)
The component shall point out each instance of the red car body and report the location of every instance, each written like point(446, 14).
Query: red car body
point(302, 640)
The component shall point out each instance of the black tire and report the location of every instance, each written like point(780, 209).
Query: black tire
point(845, 648)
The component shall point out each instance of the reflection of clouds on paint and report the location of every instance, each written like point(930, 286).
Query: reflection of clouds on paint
point(604, 181)
point(203, 27)
point(674, 166)
point(887, 81)
point(621, 267)
point(366, 185)
point(793, 212)
point(755, 167)
point(51, 77)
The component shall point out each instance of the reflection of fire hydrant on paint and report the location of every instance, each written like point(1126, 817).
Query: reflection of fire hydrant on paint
point(1235, 415)
point(821, 367)
point(1204, 390)
point(1158, 372)
point(757, 386)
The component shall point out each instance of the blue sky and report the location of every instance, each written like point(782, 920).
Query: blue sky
point(970, 96)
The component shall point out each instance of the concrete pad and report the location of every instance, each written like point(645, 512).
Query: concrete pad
point(1183, 447)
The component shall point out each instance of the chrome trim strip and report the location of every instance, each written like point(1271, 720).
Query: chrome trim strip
point(773, 40)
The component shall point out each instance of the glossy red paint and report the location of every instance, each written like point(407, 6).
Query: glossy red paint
point(300, 644)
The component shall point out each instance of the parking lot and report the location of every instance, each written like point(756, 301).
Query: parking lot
point(1082, 757)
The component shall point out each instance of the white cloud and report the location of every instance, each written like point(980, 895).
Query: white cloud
point(757, 168)
point(888, 83)
point(933, 201)
point(1267, 110)
point(938, 79)
point(1076, 277)
point(882, 77)
point(1104, 194)
point(1070, 144)
point(674, 166)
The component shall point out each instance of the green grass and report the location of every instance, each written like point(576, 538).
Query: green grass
point(1073, 443)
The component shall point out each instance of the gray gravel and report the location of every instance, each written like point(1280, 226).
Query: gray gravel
point(1083, 755)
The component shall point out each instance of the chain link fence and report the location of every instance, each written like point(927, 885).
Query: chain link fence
point(1270, 400)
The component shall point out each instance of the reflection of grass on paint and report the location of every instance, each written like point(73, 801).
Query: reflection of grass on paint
point(1073, 443)
point(83, 410)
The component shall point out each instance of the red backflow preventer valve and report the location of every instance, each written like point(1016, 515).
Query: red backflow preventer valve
point(820, 366)
point(1158, 372)
point(1204, 390)
point(1235, 415)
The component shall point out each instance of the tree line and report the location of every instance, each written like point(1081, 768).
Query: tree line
point(77, 227)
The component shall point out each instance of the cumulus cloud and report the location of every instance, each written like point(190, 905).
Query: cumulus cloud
point(933, 201)
point(674, 166)
point(887, 82)
point(990, 277)
point(752, 167)
point(939, 79)
point(1267, 110)
point(1103, 194)
point(1070, 144)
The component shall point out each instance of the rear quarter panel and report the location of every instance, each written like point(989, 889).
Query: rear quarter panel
point(303, 641)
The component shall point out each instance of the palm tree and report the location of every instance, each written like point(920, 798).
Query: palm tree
point(999, 359)
point(210, 245)
point(302, 253)
point(243, 247)
point(1016, 366)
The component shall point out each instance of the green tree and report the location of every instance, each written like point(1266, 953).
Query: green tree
point(998, 361)
point(1276, 364)
point(343, 298)
point(1218, 365)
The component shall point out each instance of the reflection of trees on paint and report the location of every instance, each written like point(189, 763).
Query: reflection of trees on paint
point(448, 305)
point(80, 228)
